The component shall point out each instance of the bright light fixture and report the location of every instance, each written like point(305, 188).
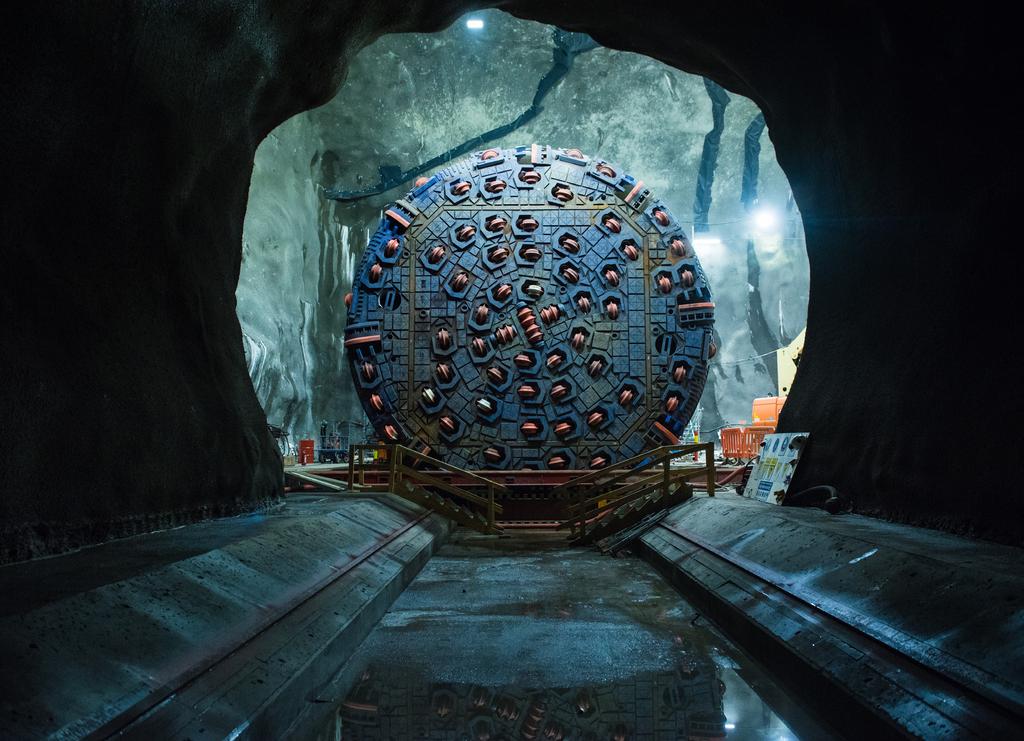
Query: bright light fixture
point(474, 24)
point(765, 219)
point(730, 726)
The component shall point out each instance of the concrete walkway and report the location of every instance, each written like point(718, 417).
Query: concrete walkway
point(197, 632)
point(523, 638)
point(919, 627)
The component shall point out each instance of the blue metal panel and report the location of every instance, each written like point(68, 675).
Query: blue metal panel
point(517, 292)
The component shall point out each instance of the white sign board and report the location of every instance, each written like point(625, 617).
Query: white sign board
point(774, 467)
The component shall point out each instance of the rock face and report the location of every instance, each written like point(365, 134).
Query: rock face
point(129, 133)
point(409, 98)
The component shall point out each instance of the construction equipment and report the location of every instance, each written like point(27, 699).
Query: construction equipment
point(544, 295)
point(766, 410)
point(787, 360)
point(744, 443)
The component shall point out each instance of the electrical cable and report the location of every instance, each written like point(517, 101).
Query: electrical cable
point(749, 358)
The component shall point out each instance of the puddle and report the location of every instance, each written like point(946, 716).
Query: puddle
point(553, 645)
point(695, 700)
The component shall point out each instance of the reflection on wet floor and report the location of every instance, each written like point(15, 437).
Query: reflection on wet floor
point(504, 642)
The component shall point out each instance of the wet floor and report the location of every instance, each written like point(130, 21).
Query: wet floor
point(522, 639)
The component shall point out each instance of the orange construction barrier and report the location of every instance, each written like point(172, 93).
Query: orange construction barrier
point(743, 443)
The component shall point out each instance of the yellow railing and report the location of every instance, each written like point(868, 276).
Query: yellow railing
point(400, 463)
point(593, 494)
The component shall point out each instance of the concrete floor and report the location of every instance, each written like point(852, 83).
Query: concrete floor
point(28, 585)
point(953, 605)
point(205, 629)
point(523, 638)
point(516, 637)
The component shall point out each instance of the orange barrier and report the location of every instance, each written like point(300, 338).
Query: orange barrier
point(743, 443)
point(307, 452)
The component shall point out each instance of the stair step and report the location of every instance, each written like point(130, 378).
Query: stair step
point(629, 514)
point(446, 506)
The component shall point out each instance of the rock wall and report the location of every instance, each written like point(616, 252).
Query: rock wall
point(128, 136)
point(410, 98)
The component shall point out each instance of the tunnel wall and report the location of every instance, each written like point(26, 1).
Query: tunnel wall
point(128, 139)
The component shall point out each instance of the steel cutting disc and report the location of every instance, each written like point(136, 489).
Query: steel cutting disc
point(530, 308)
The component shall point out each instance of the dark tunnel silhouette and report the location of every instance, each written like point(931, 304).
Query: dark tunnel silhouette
point(120, 298)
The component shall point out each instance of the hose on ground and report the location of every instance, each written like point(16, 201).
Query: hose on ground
point(823, 496)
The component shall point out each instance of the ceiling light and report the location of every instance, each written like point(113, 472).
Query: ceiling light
point(474, 24)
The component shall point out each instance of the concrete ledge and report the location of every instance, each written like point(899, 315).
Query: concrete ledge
point(208, 642)
point(894, 625)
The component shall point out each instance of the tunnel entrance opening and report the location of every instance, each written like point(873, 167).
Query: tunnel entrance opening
point(698, 145)
point(694, 149)
point(193, 107)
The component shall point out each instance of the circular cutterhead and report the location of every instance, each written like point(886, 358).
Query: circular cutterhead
point(530, 308)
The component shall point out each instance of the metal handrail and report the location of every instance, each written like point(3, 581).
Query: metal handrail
point(596, 484)
point(355, 452)
point(449, 467)
point(586, 509)
point(630, 463)
point(629, 466)
point(398, 469)
point(406, 472)
point(621, 491)
point(677, 474)
point(629, 493)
